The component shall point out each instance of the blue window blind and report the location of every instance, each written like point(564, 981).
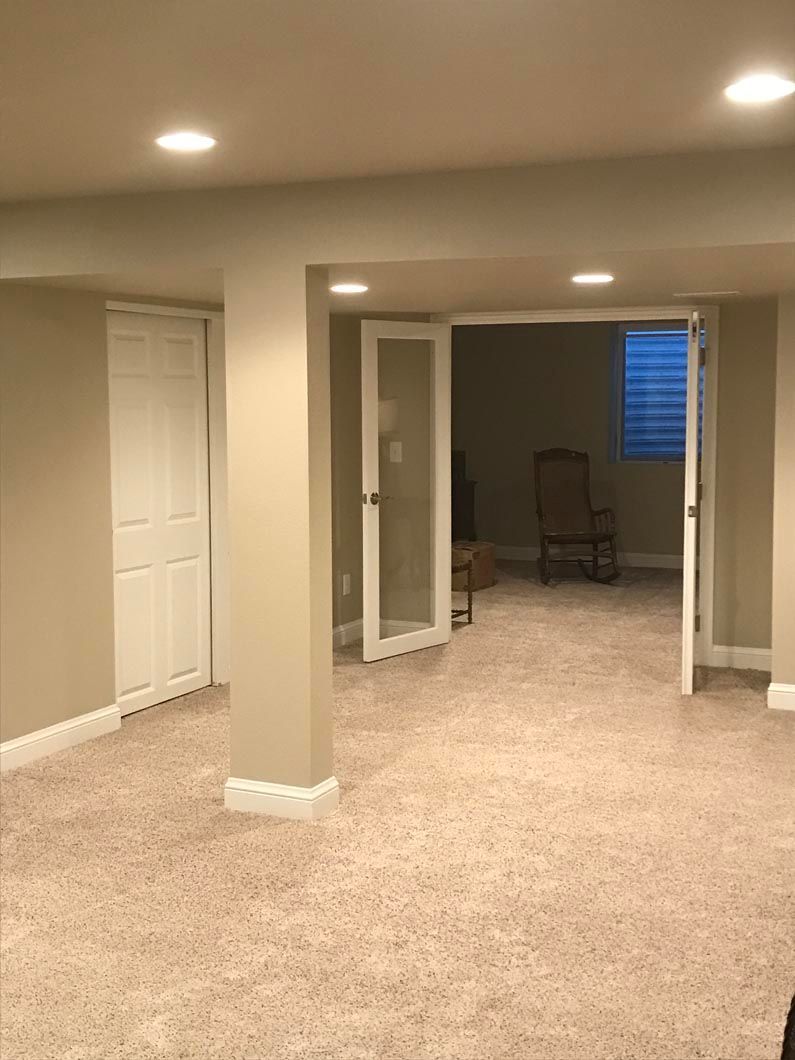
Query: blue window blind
point(655, 395)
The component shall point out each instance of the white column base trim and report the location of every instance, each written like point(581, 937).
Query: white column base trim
point(530, 553)
point(347, 633)
point(741, 658)
point(282, 800)
point(781, 697)
point(58, 737)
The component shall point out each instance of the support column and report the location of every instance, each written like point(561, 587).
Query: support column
point(781, 693)
point(278, 416)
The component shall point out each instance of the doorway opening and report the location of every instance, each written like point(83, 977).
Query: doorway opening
point(627, 394)
point(681, 544)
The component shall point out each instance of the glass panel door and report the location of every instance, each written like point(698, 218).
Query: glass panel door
point(692, 502)
point(405, 486)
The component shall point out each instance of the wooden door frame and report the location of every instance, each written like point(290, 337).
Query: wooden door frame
point(704, 636)
point(220, 634)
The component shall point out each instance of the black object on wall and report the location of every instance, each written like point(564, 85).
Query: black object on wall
point(463, 496)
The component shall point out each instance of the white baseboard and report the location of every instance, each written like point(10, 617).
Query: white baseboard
point(781, 697)
point(530, 553)
point(347, 633)
point(282, 800)
point(650, 559)
point(58, 737)
point(741, 658)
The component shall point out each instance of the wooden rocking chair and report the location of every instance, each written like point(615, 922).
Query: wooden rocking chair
point(567, 520)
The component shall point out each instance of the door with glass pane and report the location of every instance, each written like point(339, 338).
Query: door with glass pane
point(405, 486)
point(690, 579)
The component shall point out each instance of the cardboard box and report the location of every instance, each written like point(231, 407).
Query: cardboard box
point(483, 569)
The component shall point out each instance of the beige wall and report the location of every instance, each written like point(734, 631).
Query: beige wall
point(521, 387)
point(784, 499)
point(346, 464)
point(720, 198)
point(56, 605)
point(744, 482)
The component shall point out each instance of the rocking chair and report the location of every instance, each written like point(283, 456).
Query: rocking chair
point(566, 519)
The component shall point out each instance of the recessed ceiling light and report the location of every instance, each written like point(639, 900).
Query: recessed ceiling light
point(349, 288)
point(185, 141)
point(592, 277)
point(760, 88)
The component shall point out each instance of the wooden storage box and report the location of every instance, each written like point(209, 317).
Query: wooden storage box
point(483, 569)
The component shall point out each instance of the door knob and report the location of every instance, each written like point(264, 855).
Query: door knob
point(376, 498)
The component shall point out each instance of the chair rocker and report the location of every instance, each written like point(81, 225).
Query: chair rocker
point(567, 522)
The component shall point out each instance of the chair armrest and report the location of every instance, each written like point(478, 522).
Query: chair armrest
point(604, 520)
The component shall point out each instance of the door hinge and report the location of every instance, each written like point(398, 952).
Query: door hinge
point(692, 510)
point(702, 356)
point(698, 623)
point(694, 329)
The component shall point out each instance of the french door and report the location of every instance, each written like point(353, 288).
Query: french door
point(405, 486)
point(696, 340)
point(160, 503)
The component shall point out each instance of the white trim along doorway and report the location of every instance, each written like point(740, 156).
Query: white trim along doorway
point(699, 491)
point(204, 389)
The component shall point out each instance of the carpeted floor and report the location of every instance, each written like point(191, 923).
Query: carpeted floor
point(542, 851)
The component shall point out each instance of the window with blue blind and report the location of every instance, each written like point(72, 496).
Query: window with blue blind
point(654, 393)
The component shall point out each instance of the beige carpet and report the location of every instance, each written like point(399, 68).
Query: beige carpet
point(542, 851)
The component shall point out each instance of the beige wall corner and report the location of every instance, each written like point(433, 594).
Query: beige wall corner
point(280, 524)
point(784, 505)
point(744, 482)
point(56, 566)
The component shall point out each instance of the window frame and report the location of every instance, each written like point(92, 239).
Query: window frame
point(617, 394)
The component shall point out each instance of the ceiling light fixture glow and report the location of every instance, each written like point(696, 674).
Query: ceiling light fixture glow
point(759, 88)
point(592, 277)
point(349, 288)
point(185, 141)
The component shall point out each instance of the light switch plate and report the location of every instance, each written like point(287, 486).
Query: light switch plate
point(346, 585)
point(396, 452)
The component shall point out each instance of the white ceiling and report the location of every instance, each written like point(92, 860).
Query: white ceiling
point(642, 278)
point(313, 89)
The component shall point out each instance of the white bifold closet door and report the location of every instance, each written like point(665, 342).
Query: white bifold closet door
point(161, 513)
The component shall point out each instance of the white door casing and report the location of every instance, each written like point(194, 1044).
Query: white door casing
point(160, 503)
point(387, 634)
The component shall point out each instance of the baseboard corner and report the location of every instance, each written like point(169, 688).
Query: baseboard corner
point(282, 800)
point(347, 633)
point(780, 696)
